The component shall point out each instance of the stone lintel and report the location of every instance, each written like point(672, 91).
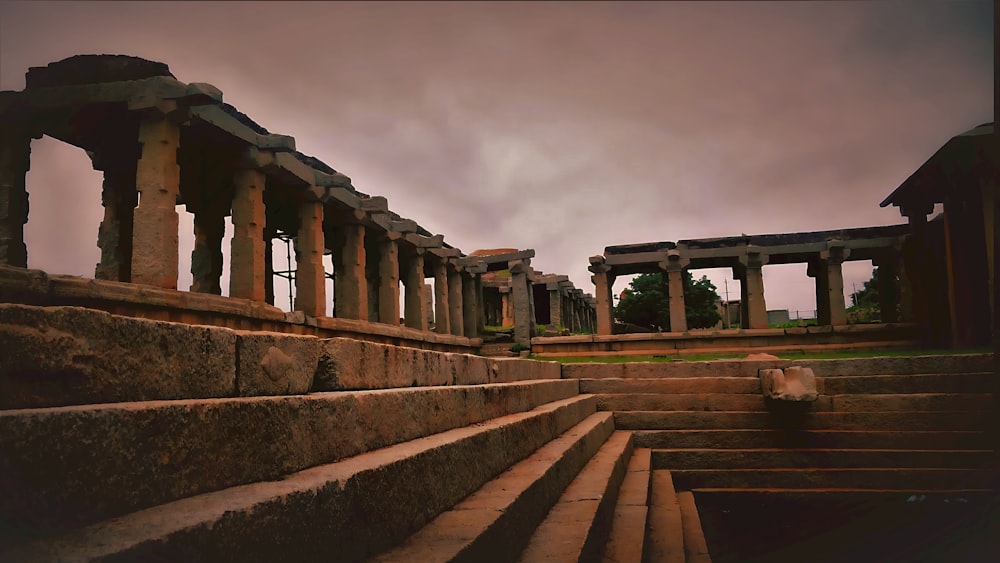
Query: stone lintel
point(404, 226)
point(442, 252)
point(333, 180)
point(473, 264)
point(217, 117)
point(342, 196)
point(375, 203)
point(294, 167)
point(507, 256)
point(637, 258)
point(276, 142)
point(421, 241)
point(552, 279)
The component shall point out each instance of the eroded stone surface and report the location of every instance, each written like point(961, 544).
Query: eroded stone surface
point(70, 355)
point(797, 384)
point(270, 363)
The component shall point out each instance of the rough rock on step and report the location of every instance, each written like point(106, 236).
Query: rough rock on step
point(270, 363)
point(793, 384)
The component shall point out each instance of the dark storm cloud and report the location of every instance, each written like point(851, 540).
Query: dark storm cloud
point(569, 127)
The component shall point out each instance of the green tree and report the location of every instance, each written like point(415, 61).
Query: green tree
point(865, 303)
point(646, 302)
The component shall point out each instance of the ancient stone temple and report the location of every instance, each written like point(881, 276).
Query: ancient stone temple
point(140, 421)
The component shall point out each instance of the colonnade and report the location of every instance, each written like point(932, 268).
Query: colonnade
point(162, 143)
point(824, 253)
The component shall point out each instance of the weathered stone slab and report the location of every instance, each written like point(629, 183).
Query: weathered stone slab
point(70, 355)
point(271, 363)
point(795, 384)
point(504, 370)
point(352, 364)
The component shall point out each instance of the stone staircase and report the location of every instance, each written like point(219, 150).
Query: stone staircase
point(884, 435)
point(398, 454)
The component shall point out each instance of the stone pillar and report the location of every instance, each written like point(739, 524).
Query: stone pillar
point(15, 160)
point(524, 321)
point(751, 275)
point(455, 301)
point(603, 279)
point(428, 294)
point(206, 256)
point(817, 269)
point(675, 294)
point(249, 251)
point(471, 303)
point(119, 198)
point(442, 315)
point(388, 282)
point(310, 278)
point(157, 178)
point(351, 281)
point(506, 307)
point(915, 259)
point(833, 258)
point(414, 309)
point(269, 234)
point(555, 305)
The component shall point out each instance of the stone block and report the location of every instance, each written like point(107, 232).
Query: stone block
point(505, 370)
point(796, 384)
point(467, 369)
point(72, 355)
point(271, 363)
point(353, 364)
point(20, 283)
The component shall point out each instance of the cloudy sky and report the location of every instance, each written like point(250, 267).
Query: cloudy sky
point(563, 127)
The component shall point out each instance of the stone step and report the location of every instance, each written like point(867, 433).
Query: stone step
point(353, 508)
point(897, 384)
point(695, 546)
point(753, 439)
point(495, 522)
point(755, 403)
point(675, 385)
point(577, 527)
point(826, 478)
point(628, 527)
point(774, 458)
point(665, 530)
point(106, 460)
point(912, 402)
point(860, 420)
point(959, 363)
point(679, 402)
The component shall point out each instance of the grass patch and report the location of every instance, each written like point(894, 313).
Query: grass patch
point(825, 355)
